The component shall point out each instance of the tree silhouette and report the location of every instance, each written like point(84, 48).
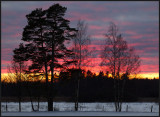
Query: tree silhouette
point(17, 71)
point(81, 40)
point(89, 74)
point(81, 52)
point(119, 58)
point(36, 48)
point(101, 74)
point(58, 32)
point(45, 35)
point(107, 74)
point(17, 68)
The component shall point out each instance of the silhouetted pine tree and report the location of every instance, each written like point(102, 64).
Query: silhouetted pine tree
point(89, 74)
point(58, 32)
point(45, 35)
point(101, 74)
point(34, 33)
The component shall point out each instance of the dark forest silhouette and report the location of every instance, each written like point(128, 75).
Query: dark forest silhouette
point(92, 89)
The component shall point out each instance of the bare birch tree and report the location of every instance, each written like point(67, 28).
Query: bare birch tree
point(15, 71)
point(81, 52)
point(120, 61)
point(80, 45)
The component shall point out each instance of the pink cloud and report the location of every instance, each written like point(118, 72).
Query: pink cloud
point(98, 36)
point(149, 58)
point(97, 47)
point(4, 71)
point(135, 44)
point(5, 62)
point(83, 16)
point(17, 35)
point(8, 13)
point(6, 50)
point(151, 68)
point(10, 28)
point(130, 32)
point(139, 51)
point(137, 36)
point(107, 19)
point(151, 48)
point(94, 7)
point(95, 27)
point(126, 23)
point(5, 53)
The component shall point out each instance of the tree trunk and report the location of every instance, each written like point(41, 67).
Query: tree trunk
point(115, 93)
point(48, 89)
point(29, 92)
point(47, 82)
point(50, 103)
point(77, 95)
point(122, 93)
point(19, 98)
point(50, 100)
point(118, 97)
point(32, 104)
point(6, 106)
point(19, 101)
point(38, 103)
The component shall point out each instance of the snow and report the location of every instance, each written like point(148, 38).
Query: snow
point(80, 113)
point(69, 106)
point(85, 109)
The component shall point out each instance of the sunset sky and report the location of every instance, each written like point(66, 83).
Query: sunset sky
point(137, 21)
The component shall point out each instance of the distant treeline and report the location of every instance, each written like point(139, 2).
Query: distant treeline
point(90, 89)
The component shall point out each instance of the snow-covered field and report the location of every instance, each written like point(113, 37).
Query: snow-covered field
point(79, 113)
point(96, 106)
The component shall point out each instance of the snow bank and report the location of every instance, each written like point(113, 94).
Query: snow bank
point(69, 106)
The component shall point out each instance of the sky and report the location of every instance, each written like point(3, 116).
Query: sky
point(138, 22)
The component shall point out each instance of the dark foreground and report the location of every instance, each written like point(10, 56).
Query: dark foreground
point(79, 114)
point(90, 90)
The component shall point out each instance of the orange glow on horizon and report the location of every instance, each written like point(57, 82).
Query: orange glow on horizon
point(138, 76)
point(149, 75)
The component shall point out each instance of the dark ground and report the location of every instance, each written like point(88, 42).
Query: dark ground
point(91, 90)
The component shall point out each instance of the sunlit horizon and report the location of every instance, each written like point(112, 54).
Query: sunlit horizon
point(4, 76)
